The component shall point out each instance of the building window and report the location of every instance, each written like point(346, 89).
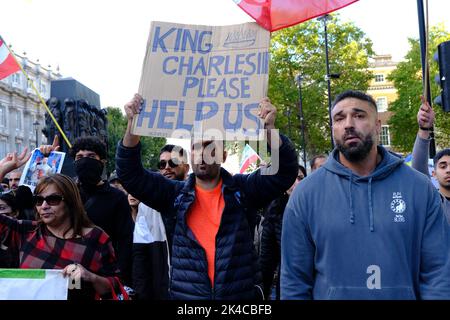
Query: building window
point(28, 125)
point(2, 148)
point(16, 79)
point(385, 139)
point(43, 89)
point(379, 78)
point(2, 116)
point(19, 147)
point(382, 104)
point(29, 86)
point(18, 120)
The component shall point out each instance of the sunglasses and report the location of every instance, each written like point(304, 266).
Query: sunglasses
point(52, 200)
point(163, 163)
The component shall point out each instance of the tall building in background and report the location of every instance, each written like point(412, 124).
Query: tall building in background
point(383, 91)
point(21, 112)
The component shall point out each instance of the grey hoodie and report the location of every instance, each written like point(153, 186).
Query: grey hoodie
point(382, 236)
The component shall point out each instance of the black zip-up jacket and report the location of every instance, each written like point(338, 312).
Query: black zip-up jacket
point(270, 255)
point(108, 208)
point(236, 266)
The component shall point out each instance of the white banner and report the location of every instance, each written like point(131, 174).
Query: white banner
point(33, 284)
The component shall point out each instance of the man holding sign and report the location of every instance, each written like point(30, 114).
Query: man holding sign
point(207, 80)
point(212, 252)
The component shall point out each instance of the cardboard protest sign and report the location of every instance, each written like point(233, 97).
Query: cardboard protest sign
point(33, 284)
point(40, 166)
point(207, 79)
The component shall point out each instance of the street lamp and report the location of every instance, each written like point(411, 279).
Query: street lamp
point(298, 79)
point(328, 76)
point(36, 125)
point(287, 113)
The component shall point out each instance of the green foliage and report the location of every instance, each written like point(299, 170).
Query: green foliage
point(407, 79)
point(150, 151)
point(117, 123)
point(301, 50)
point(116, 128)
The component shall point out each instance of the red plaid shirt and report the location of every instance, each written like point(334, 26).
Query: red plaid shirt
point(40, 249)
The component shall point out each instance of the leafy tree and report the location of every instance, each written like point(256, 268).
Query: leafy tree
point(407, 79)
point(301, 50)
point(117, 123)
point(150, 151)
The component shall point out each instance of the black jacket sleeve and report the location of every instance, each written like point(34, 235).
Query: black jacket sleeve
point(124, 227)
point(270, 257)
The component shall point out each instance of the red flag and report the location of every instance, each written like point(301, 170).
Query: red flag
point(278, 14)
point(7, 63)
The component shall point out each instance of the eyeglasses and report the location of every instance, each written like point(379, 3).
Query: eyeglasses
point(52, 200)
point(163, 164)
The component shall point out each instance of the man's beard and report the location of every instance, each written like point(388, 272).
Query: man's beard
point(445, 185)
point(210, 173)
point(357, 151)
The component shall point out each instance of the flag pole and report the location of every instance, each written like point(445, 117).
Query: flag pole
point(39, 96)
point(427, 66)
point(425, 70)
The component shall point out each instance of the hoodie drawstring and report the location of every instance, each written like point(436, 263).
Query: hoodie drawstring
point(369, 194)
point(369, 191)
point(352, 214)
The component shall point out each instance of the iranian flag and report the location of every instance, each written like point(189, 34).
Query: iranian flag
point(33, 284)
point(8, 64)
point(249, 156)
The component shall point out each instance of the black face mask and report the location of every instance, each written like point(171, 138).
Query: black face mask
point(89, 171)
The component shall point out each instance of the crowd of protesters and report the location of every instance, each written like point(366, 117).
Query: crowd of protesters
point(361, 224)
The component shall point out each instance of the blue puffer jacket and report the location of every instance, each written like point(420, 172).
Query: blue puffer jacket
point(236, 266)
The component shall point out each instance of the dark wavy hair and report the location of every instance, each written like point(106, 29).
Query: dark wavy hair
point(9, 197)
point(169, 148)
point(439, 155)
point(72, 201)
point(90, 144)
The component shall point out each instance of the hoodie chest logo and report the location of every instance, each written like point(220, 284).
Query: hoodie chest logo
point(398, 205)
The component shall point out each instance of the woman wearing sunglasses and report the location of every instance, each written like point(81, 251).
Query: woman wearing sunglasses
point(64, 238)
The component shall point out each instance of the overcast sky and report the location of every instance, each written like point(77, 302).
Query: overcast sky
point(101, 43)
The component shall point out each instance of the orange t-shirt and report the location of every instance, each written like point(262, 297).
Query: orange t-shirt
point(204, 220)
